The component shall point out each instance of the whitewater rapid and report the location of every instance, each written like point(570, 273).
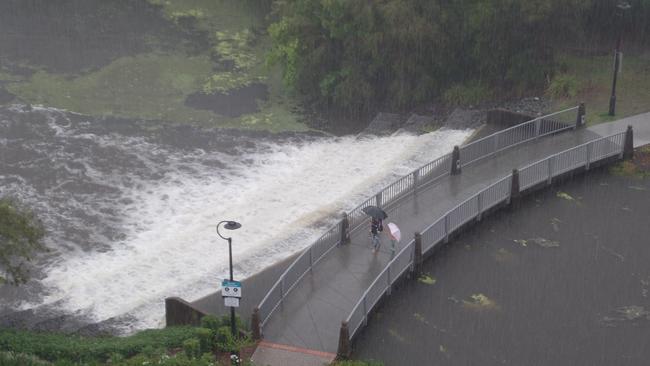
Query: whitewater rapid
point(131, 219)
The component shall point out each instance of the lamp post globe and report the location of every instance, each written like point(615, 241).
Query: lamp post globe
point(230, 225)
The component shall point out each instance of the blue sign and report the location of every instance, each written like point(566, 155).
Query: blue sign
point(231, 288)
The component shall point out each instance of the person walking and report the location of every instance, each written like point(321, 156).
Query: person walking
point(395, 236)
point(375, 227)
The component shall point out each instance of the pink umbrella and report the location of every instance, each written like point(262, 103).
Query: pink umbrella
point(394, 232)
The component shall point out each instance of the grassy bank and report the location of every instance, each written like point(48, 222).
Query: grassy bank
point(223, 52)
point(179, 346)
point(589, 79)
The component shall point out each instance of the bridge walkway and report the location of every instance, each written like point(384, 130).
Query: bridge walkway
point(309, 318)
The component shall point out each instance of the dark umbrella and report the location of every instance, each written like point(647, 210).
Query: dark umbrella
point(375, 212)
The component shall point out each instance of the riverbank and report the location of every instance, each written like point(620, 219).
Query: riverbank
point(557, 281)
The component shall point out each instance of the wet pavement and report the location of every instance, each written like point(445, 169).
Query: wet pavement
point(563, 280)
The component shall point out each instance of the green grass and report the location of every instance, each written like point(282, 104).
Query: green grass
point(277, 113)
point(57, 347)
point(154, 86)
point(593, 75)
point(148, 86)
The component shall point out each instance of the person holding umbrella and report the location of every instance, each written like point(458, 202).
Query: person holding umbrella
point(375, 228)
point(376, 225)
point(395, 235)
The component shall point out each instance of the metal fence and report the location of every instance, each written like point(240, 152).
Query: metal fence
point(403, 187)
point(472, 208)
point(538, 127)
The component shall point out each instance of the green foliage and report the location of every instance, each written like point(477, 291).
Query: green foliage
point(149, 86)
point(20, 238)
point(225, 340)
point(20, 359)
point(178, 359)
point(358, 56)
point(57, 347)
point(192, 348)
point(460, 94)
point(236, 53)
point(211, 322)
point(206, 339)
point(563, 86)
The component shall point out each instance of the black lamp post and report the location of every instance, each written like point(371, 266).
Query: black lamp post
point(230, 225)
point(622, 7)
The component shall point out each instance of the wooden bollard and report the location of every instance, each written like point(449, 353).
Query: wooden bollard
point(628, 147)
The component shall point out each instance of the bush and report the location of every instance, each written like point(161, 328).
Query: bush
point(211, 322)
point(465, 94)
point(20, 359)
point(563, 86)
point(192, 348)
point(225, 340)
point(206, 339)
point(59, 347)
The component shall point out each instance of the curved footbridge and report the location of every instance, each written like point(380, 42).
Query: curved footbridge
point(322, 300)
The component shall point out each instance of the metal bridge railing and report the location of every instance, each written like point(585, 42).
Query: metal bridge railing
point(470, 209)
point(402, 188)
point(538, 127)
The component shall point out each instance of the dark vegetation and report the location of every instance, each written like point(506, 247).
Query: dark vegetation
point(20, 239)
point(209, 344)
point(358, 56)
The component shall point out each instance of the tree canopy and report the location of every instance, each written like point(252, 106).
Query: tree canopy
point(355, 56)
point(20, 238)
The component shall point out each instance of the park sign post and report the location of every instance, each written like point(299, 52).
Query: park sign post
point(231, 293)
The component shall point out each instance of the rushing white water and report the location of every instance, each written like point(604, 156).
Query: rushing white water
point(167, 202)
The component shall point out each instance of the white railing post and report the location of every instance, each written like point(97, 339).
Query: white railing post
point(550, 170)
point(538, 123)
point(447, 228)
point(480, 206)
point(589, 148)
point(416, 178)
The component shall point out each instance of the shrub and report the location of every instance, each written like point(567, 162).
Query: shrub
point(192, 348)
point(206, 339)
point(225, 340)
point(563, 86)
point(20, 359)
point(211, 322)
point(225, 321)
point(59, 347)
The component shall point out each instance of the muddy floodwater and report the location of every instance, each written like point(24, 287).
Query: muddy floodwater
point(564, 280)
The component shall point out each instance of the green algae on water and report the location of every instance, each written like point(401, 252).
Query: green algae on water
point(565, 196)
point(480, 302)
point(427, 280)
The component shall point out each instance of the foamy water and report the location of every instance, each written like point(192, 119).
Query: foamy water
point(148, 219)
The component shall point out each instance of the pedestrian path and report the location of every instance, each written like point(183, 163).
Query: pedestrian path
point(310, 316)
